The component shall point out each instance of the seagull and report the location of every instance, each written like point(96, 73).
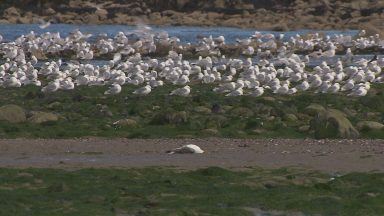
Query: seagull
point(44, 24)
point(51, 87)
point(143, 90)
point(185, 91)
point(114, 89)
point(257, 92)
point(187, 149)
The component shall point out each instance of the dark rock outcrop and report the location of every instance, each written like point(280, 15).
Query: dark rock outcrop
point(281, 15)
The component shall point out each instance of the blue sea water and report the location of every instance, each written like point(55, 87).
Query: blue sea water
point(185, 33)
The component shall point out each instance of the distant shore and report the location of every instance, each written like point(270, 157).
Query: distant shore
point(264, 15)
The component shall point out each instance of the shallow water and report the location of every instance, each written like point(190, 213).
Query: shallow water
point(185, 33)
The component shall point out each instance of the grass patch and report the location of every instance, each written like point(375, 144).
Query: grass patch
point(85, 111)
point(210, 191)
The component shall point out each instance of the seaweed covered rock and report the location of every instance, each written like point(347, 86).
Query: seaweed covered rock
point(332, 123)
point(216, 121)
point(202, 110)
point(12, 113)
point(170, 117)
point(369, 125)
point(314, 109)
point(126, 123)
point(39, 117)
point(242, 112)
point(177, 117)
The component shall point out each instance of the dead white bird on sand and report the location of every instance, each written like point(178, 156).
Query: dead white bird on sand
point(187, 149)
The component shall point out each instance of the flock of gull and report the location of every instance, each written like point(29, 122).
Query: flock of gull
point(265, 63)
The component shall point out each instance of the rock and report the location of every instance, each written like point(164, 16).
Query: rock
point(258, 131)
point(290, 117)
point(216, 108)
point(181, 3)
point(103, 110)
point(54, 105)
point(369, 125)
point(242, 112)
point(49, 12)
point(39, 117)
point(226, 108)
point(202, 110)
point(282, 27)
point(177, 117)
point(210, 131)
point(4, 21)
point(349, 112)
point(91, 18)
point(126, 123)
point(270, 99)
point(314, 109)
point(102, 13)
point(12, 114)
point(304, 128)
point(11, 12)
point(332, 123)
point(216, 121)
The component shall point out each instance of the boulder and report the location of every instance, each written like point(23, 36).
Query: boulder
point(314, 109)
point(216, 121)
point(242, 112)
point(11, 12)
point(332, 123)
point(176, 117)
point(103, 110)
point(12, 114)
point(126, 123)
point(210, 131)
point(290, 117)
point(304, 128)
point(369, 125)
point(202, 110)
point(41, 117)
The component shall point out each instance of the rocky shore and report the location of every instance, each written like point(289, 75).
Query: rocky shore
point(277, 15)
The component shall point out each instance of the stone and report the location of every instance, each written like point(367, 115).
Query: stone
point(103, 110)
point(270, 99)
point(242, 112)
point(304, 128)
point(290, 117)
point(12, 113)
point(11, 12)
point(314, 109)
point(332, 123)
point(39, 117)
point(54, 105)
point(126, 123)
point(210, 131)
point(216, 121)
point(49, 12)
point(258, 131)
point(177, 117)
point(202, 110)
point(369, 125)
point(91, 18)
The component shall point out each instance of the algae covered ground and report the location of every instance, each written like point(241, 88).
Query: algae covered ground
point(85, 111)
point(209, 191)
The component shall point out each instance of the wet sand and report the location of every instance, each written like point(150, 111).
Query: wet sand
point(323, 155)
